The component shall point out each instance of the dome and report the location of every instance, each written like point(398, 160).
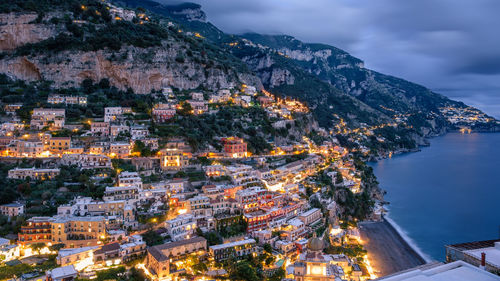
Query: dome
point(315, 244)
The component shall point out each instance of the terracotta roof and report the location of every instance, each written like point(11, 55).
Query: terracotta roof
point(108, 248)
point(157, 253)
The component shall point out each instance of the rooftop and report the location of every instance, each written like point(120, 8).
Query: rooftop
point(492, 254)
point(73, 251)
point(156, 251)
point(12, 205)
point(232, 244)
point(455, 271)
point(64, 271)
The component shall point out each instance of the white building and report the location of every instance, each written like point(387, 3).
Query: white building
point(130, 179)
point(199, 206)
point(243, 175)
point(63, 273)
point(181, 228)
point(53, 117)
point(294, 230)
point(311, 217)
point(78, 257)
point(87, 161)
point(115, 113)
point(139, 132)
point(455, 271)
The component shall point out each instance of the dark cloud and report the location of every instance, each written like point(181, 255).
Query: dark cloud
point(447, 45)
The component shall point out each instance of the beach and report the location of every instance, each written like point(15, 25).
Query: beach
point(388, 252)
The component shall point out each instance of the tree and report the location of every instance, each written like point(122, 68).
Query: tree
point(268, 248)
point(269, 260)
point(152, 238)
point(88, 85)
point(186, 108)
point(243, 271)
point(37, 247)
point(338, 178)
point(136, 275)
point(56, 247)
point(278, 275)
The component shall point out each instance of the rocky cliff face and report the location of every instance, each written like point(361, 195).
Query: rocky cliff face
point(269, 75)
point(141, 69)
point(18, 29)
point(348, 74)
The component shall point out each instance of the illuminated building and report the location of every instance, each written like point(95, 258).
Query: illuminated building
point(119, 149)
point(64, 273)
point(33, 173)
point(12, 108)
point(58, 145)
point(85, 206)
point(139, 132)
point(28, 147)
point(77, 257)
point(199, 206)
point(42, 117)
point(265, 101)
point(77, 231)
point(129, 193)
point(257, 221)
point(12, 209)
point(199, 106)
point(251, 199)
point(115, 113)
point(313, 265)
point(87, 161)
point(182, 227)
point(233, 250)
point(174, 159)
point(243, 175)
point(58, 99)
point(129, 179)
point(294, 230)
point(132, 249)
point(214, 170)
point(162, 112)
point(37, 230)
point(115, 130)
point(159, 258)
point(100, 128)
point(311, 217)
point(108, 254)
point(235, 147)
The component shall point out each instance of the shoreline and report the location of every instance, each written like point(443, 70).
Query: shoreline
point(388, 251)
point(409, 242)
point(375, 159)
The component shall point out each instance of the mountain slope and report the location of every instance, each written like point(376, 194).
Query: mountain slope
point(173, 45)
point(348, 74)
point(277, 73)
point(321, 63)
point(83, 39)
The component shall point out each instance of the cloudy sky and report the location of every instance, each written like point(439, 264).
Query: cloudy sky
point(450, 46)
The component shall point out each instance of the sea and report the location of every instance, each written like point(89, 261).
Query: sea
point(447, 193)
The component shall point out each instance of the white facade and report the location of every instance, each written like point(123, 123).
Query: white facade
point(181, 228)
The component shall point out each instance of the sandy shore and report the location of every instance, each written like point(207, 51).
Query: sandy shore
point(388, 252)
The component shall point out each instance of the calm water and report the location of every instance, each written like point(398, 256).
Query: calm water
point(447, 193)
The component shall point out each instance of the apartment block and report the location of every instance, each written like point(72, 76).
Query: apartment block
point(33, 173)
